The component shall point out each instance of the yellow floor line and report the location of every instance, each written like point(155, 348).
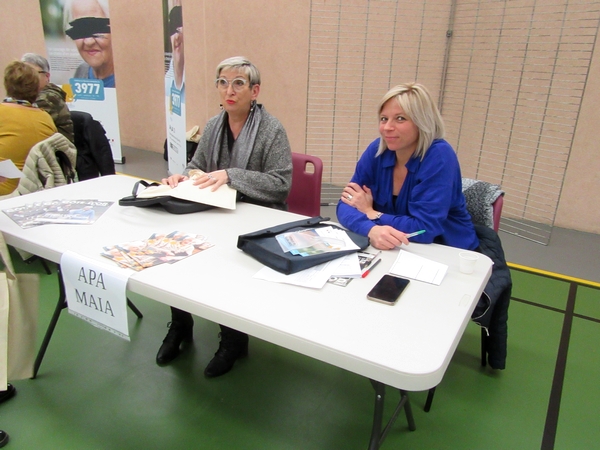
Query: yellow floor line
point(558, 276)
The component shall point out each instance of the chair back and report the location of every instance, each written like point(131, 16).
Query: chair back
point(497, 211)
point(94, 155)
point(484, 202)
point(305, 195)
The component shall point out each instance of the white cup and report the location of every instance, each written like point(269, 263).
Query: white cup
point(467, 261)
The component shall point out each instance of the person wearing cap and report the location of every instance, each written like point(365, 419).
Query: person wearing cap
point(87, 22)
point(51, 97)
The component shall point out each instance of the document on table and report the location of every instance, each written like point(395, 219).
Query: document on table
point(409, 265)
point(315, 277)
point(224, 197)
point(349, 267)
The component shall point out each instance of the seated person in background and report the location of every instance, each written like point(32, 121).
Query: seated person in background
point(248, 149)
point(51, 97)
point(408, 179)
point(22, 124)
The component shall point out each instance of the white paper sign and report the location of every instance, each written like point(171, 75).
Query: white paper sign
point(95, 292)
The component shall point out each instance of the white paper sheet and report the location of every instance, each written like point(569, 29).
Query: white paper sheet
point(409, 265)
point(315, 277)
point(349, 267)
point(9, 170)
point(224, 197)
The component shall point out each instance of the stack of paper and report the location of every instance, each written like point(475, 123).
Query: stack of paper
point(80, 212)
point(313, 241)
point(159, 248)
point(315, 277)
point(224, 197)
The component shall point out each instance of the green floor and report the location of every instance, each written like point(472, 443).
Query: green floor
point(96, 391)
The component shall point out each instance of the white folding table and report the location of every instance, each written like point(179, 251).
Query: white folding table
point(407, 346)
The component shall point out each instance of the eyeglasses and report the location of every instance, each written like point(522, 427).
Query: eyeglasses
point(237, 83)
point(97, 37)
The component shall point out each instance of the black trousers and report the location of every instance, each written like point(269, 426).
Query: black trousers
point(185, 318)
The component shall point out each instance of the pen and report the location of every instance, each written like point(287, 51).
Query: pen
point(373, 259)
point(416, 233)
point(369, 269)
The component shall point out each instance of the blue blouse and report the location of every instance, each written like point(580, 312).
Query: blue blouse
point(430, 199)
point(108, 82)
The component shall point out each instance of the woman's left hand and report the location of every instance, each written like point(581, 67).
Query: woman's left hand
point(214, 180)
point(358, 197)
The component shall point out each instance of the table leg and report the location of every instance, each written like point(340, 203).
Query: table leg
point(377, 435)
point(60, 305)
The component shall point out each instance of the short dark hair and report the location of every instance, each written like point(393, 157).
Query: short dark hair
point(21, 81)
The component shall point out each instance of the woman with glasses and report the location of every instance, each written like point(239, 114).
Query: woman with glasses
point(248, 149)
point(87, 23)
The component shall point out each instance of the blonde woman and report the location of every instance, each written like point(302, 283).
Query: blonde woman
point(408, 179)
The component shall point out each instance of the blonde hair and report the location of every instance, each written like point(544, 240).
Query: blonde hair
point(415, 100)
point(242, 65)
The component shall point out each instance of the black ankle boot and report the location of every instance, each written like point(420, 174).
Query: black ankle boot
point(178, 333)
point(233, 345)
point(3, 438)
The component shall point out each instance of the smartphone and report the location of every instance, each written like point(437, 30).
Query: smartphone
point(388, 289)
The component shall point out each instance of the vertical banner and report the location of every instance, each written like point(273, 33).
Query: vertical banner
point(79, 45)
point(175, 85)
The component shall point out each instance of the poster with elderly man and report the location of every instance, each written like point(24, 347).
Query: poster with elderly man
point(79, 51)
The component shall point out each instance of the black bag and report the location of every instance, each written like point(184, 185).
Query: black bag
point(263, 246)
point(170, 204)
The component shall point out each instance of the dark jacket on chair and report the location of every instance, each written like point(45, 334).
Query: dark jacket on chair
point(491, 312)
point(94, 155)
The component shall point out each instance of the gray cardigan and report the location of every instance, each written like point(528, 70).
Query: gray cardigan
point(268, 177)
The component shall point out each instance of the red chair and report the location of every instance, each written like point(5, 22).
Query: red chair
point(305, 195)
point(497, 211)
